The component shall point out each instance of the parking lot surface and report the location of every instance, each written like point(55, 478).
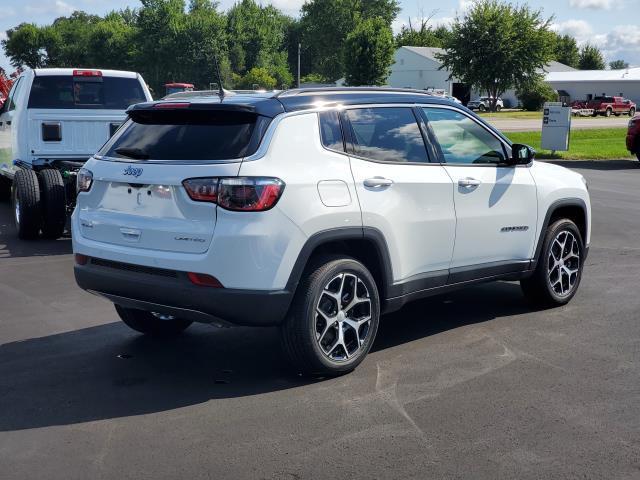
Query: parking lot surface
point(475, 384)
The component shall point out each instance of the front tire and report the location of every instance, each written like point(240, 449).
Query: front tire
point(632, 112)
point(482, 108)
point(334, 318)
point(559, 268)
point(26, 204)
point(608, 112)
point(154, 325)
point(498, 108)
point(54, 207)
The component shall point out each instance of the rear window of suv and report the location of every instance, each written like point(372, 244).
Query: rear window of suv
point(67, 92)
point(187, 135)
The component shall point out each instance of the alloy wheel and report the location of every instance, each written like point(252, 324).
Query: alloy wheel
point(564, 263)
point(343, 317)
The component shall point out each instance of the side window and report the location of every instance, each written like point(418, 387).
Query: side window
point(462, 140)
point(330, 131)
point(15, 93)
point(388, 134)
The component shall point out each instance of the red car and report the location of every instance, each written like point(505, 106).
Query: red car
point(608, 106)
point(633, 136)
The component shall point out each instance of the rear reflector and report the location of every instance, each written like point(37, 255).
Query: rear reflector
point(171, 105)
point(81, 259)
point(87, 73)
point(204, 280)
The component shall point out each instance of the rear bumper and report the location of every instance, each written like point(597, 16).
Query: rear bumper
point(172, 293)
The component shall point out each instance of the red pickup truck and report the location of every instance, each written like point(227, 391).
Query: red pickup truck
point(608, 106)
point(633, 136)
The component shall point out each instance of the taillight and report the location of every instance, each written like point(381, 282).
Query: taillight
point(84, 180)
point(242, 194)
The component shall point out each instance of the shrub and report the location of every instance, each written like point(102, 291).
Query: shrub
point(534, 96)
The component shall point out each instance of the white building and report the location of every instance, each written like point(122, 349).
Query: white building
point(418, 67)
point(586, 84)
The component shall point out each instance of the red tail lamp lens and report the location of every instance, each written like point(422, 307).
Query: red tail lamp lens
point(242, 194)
point(202, 189)
point(249, 194)
point(81, 259)
point(171, 105)
point(204, 280)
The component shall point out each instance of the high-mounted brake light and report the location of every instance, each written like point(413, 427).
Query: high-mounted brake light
point(87, 73)
point(171, 105)
point(241, 194)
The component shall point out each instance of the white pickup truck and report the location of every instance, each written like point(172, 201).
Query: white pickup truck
point(54, 120)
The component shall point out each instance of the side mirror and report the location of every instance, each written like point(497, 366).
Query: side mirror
point(521, 154)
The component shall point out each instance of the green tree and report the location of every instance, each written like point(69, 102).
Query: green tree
point(256, 77)
point(111, 42)
point(591, 58)
point(24, 46)
point(369, 53)
point(497, 46)
point(325, 25)
point(535, 94)
point(566, 50)
point(618, 65)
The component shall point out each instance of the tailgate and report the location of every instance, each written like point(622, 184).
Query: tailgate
point(142, 205)
point(82, 132)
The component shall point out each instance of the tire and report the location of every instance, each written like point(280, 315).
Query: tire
point(482, 108)
point(150, 324)
point(608, 112)
point(543, 287)
point(632, 112)
point(5, 188)
point(310, 334)
point(498, 108)
point(27, 211)
point(54, 206)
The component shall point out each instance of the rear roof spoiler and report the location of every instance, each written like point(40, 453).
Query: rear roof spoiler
point(264, 107)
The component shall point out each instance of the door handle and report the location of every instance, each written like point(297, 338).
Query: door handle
point(469, 182)
point(378, 182)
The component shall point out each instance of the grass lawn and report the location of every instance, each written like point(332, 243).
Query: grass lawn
point(591, 144)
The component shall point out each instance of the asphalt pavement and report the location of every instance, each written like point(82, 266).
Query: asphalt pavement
point(475, 384)
point(577, 123)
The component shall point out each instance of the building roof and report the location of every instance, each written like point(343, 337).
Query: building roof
point(431, 52)
point(626, 75)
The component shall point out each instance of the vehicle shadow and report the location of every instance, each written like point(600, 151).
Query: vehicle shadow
point(599, 164)
point(109, 371)
point(12, 247)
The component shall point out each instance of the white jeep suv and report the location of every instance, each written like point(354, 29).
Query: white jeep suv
point(317, 211)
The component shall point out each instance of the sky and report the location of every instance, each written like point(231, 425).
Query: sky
point(609, 24)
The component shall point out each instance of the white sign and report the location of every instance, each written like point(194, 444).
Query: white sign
point(556, 127)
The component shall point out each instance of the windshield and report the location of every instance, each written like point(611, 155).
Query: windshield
point(67, 92)
point(187, 135)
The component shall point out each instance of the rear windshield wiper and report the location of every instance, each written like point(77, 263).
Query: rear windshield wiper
point(135, 153)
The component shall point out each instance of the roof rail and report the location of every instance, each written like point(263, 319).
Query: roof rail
point(303, 91)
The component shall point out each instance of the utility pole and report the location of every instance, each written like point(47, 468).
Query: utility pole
point(299, 52)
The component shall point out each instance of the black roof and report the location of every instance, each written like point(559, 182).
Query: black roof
point(271, 104)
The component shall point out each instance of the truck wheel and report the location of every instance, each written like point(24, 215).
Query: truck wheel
point(152, 324)
point(54, 207)
point(608, 112)
point(482, 108)
point(632, 112)
point(334, 318)
point(559, 269)
point(5, 189)
point(26, 204)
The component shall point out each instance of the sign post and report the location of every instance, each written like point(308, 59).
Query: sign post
point(556, 127)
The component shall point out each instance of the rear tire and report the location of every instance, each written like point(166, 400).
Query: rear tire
point(632, 112)
point(608, 112)
point(54, 207)
point(150, 324)
point(334, 318)
point(482, 108)
point(27, 211)
point(559, 268)
point(498, 108)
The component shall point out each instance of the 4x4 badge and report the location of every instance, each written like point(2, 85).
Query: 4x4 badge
point(134, 172)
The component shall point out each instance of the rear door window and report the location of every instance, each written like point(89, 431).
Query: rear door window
point(187, 135)
point(67, 92)
point(387, 134)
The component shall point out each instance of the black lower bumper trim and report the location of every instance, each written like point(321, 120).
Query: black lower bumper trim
point(179, 297)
